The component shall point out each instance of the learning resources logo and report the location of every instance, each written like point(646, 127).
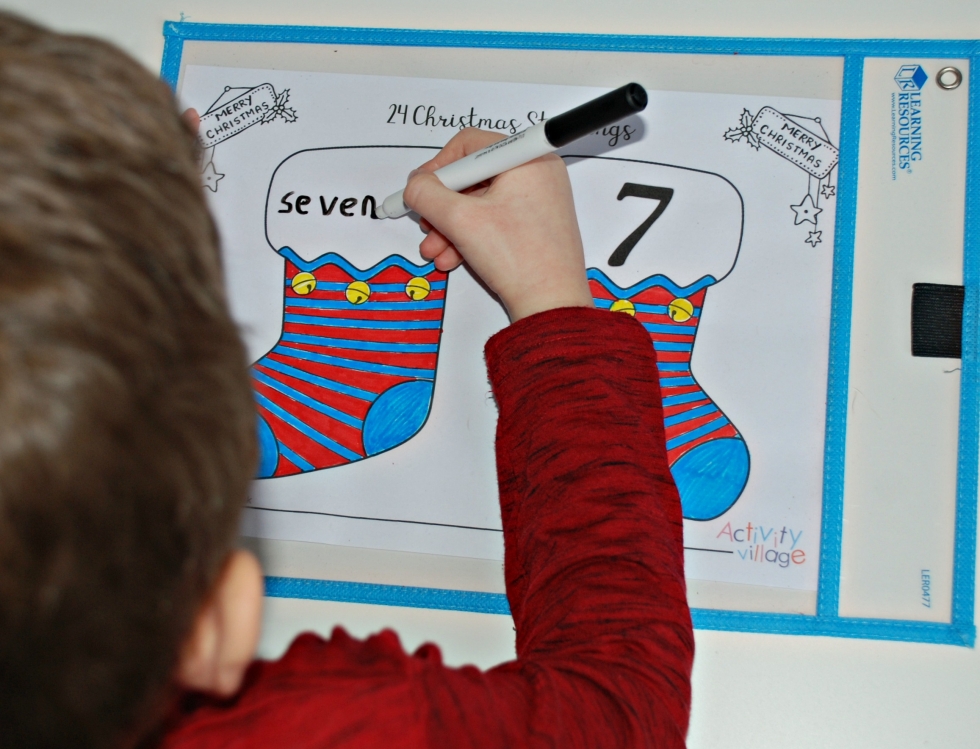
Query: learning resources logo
point(906, 134)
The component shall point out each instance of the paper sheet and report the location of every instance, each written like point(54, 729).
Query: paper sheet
point(709, 217)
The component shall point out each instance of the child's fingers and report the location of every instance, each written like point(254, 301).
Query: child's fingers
point(192, 119)
point(440, 251)
point(449, 260)
point(433, 245)
point(440, 206)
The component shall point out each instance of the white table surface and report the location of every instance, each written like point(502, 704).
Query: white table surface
point(759, 691)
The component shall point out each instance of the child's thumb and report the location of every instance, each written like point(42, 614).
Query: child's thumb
point(432, 200)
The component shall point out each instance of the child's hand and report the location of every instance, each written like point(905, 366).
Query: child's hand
point(519, 234)
point(192, 119)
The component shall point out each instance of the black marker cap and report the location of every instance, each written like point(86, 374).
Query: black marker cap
point(595, 115)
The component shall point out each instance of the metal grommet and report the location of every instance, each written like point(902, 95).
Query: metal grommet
point(949, 78)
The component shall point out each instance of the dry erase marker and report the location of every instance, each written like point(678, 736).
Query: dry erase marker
point(529, 144)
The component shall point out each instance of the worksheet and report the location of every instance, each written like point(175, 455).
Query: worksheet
point(709, 218)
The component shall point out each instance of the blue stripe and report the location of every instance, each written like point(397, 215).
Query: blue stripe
point(672, 346)
point(676, 382)
point(677, 400)
point(661, 309)
point(653, 327)
point(313, 434)
point(347, 322)
point(607, 303)
point(375, 306)
point(673, 366)
point(694, 413)
point(307, 401)
point(650, 309)
point(322, 382)
point(711, 426)
point(356, 345)
point(360, 366)
point(296, 460)
point(386, 287)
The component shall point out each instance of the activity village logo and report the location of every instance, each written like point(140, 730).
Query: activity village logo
point(907, 118)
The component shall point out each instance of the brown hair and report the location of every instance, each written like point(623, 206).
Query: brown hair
point(127, 427)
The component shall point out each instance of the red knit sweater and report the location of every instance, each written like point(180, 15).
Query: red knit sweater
point(594, 569)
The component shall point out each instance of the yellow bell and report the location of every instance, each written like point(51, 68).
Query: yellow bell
point(417, 288)
point(303, 283)
point(680, 310)
point(358, 292)
point(623, 305)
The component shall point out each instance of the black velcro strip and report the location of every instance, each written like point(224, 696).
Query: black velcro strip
point(937, 320)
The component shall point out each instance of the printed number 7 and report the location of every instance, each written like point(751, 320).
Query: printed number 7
point(631, 190)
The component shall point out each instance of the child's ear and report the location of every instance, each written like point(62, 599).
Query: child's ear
point(226, 632)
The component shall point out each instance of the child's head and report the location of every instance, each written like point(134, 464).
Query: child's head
point(126, 417)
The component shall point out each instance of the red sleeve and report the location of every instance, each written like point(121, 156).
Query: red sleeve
point(594, 568)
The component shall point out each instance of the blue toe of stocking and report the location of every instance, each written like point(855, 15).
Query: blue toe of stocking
point(711, 477)
point(268, 450)
point(396, 415)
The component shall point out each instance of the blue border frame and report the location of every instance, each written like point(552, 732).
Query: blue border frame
point(961, 629)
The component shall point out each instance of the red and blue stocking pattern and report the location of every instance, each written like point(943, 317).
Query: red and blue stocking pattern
point(708, 457)
point(353, 371)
